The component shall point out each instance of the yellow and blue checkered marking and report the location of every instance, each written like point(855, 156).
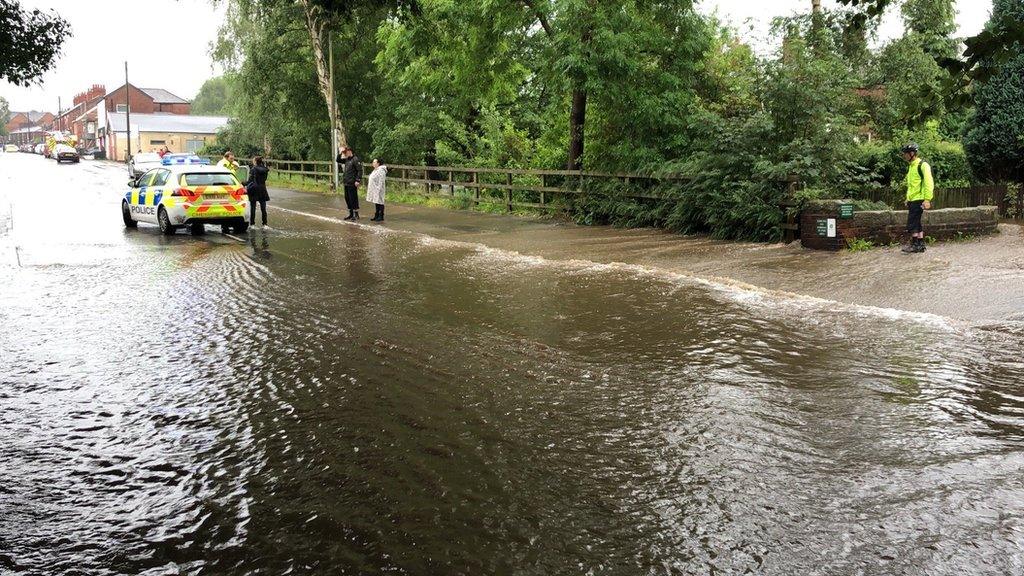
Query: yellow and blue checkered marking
point(144, 197)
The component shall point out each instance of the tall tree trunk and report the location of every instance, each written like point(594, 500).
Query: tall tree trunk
point(316, 22)
point(578, 113)
point(577, 123)
point(817, 25)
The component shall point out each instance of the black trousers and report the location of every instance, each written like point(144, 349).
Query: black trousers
point(252, 211)
point(351, 197)
point(915, 210)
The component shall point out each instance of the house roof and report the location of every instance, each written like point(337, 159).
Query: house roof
point(168, 123)
point(32, 116)
point(161, 96)
point(87, 115)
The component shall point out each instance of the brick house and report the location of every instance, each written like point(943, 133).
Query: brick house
point(146, 101)
point(80, 119)
point(27, 127)
point(21, 120)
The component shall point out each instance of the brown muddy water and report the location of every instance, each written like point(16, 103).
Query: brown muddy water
point(324, 398)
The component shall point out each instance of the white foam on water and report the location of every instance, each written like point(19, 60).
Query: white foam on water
point(734, 290)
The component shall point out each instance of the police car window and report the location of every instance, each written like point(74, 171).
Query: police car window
point(147, 178)
point(208, 179)
point(160, 178)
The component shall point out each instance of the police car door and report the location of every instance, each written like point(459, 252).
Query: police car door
point(139, 203)
point(151, 192)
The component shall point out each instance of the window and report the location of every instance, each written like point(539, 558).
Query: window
point(194, 145)
point(157, 142)
point(160, 178)
point(123, 108)
point(147, 178)
point(208, 179)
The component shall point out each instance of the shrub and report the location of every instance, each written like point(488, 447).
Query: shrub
point(859, 245)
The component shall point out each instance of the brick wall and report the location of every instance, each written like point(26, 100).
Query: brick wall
point(174, 108)
point(887, 226)
point(139, 101)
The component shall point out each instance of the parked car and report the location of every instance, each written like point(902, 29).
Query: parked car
point(38, 149)
point(144, 162)
point(190, 194)
point(96, 153)
point(65, 153)
point(10, 148)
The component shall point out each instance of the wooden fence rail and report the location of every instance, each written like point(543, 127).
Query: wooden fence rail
point(538, 189)
point(509, 187)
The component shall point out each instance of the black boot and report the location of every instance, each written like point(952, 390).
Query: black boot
point(376, 213)
point(356, 217)
point(910, 247)
point(350, 215)
point(381, 218)
point(919, 245)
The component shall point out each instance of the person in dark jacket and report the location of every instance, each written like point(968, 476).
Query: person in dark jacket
point(351, 177)
point(256, 188)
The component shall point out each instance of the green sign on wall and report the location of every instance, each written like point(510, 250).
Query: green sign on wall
point(846, 210)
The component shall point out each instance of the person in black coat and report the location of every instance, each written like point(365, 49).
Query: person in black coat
point(256, 188)
point(351, 177)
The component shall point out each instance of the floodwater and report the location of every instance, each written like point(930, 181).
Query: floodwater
point(327, 398)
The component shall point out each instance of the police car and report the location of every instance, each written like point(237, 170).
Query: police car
point(185, 191)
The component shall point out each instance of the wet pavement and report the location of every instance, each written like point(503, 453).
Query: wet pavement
point(979, 280)
point(459, 393)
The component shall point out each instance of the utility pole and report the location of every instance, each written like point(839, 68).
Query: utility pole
point(60, 121)
point(334, 112)
point(127, 122)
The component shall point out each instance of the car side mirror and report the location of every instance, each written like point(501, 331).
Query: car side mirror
point(133, 183)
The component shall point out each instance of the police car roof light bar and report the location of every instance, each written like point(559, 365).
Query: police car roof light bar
point(172, 159)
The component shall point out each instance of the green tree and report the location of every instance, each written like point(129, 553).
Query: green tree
point(914, 85)
point(5, 115)
point(216, 97)
point(933, 23)
point(30, 41)
point(995, 137)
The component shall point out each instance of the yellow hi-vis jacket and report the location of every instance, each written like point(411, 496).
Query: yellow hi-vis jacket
point(920, 185)
point(233, 166)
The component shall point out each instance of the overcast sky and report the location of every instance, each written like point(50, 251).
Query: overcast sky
point(166, 42)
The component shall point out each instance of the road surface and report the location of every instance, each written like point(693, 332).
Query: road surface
point(470, 394)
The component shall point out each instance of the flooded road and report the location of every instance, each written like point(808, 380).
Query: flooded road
point(325, 398)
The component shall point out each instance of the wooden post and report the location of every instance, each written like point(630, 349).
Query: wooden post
point(508, 193)
point(789, 233)
point(451, 187)
point(476, 188)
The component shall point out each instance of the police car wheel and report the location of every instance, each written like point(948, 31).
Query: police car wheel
point(165, 222)
point(241, 228)
point(126, 214)
point(197, 229)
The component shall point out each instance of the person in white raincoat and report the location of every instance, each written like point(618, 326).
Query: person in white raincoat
point(376, 188)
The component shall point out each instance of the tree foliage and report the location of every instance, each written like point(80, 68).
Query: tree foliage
point(30, 41)
point(216, 97)
point(5, 115)
point(648, 87)
point(995, 140)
